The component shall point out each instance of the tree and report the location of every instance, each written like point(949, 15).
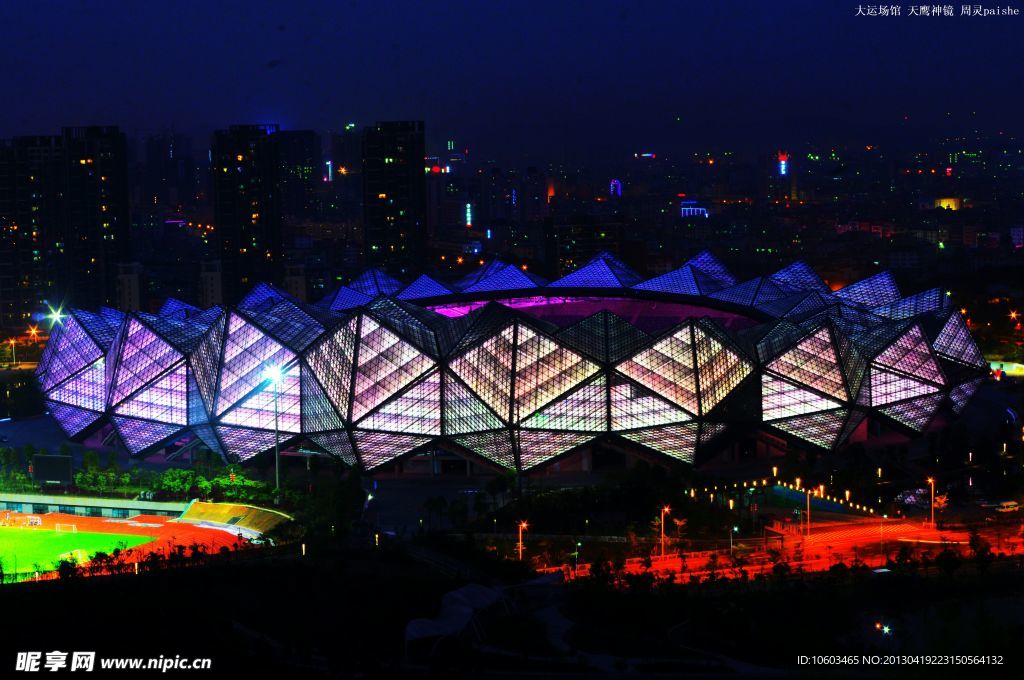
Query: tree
point(91, 461)
point(947, 561)
point(981, 550)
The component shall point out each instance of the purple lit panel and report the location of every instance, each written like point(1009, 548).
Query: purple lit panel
point(416, 411)
point(634, 407)
point(86, 389)
point(677, 441)
point(910, 354)
point(539, 446)
point(69, 352)
point(888, 387)
point(915, 413)
point(494, 446)
point(142, 355)
point(822, 428)
point(248, 353)
point(379, 448)
point(544, 370)
point(71, 419)
point(244, 443)
point(813, 362)
point(955, 342)
point(164, 400)
point(338, 445)
point(387, 364)
point(259, 408)
point(139, 435)
point(961, 394)
point(584, 410)
point(667, 368)
point(464, 412)
point(487, 370)
point(783, 399)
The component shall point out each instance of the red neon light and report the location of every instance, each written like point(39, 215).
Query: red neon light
point(435, 169)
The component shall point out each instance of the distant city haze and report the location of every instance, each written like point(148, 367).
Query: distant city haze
point(515, 82)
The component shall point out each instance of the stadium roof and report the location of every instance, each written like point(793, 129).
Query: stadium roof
point(515, 371)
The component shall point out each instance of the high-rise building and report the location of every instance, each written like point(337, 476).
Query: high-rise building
point(95, 228)
point(248, 228)
point(300, 171)
point(168, 176)
point(64, 220)
point(394, 195)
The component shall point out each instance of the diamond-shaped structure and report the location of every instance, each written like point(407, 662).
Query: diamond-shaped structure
point(514, 372)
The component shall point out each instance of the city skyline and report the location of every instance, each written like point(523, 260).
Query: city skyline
point(692, 75)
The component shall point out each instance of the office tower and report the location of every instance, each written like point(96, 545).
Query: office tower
point(94, 229)
point(24, 206)
point(301, 171)
point(394, 195)
point(169, 177)
point(64, 216)
point(247, 207)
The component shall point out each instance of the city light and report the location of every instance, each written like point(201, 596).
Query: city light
point(273, 374)
point(56, 316)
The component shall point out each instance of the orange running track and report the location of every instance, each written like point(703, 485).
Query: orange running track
point(165, 531)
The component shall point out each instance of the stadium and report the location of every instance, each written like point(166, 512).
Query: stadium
point(514, 372)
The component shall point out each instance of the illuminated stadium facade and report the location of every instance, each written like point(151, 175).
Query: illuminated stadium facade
point(506, 368)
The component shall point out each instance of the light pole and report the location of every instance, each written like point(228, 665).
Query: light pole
point(808, 519)
point(735, 530)
point(664, 511)
point(14, 354)
point(881, 523)
point(273, 374)
point(931, 483)
point(576, 571)
point(522, 528)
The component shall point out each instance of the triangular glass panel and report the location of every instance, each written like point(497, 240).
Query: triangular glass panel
point(667, 368)
point(582, 410)
point(380, 448)
point(386, 364)
point(783, 399)
point(536, 447)
point(633, 406)
point(337, 444)
point(494, 446)
point(417, 410)
point(914, 413)
point(464, 412)
point(675, 441)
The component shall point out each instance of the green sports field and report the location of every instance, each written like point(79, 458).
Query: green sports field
point(22, 549)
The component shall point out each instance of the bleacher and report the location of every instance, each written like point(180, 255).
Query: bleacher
point(247, 520)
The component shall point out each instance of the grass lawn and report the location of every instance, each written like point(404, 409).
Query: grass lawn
point(21, 549)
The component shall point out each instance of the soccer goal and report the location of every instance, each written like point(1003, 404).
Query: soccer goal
point(76, 556)
point(66, 528)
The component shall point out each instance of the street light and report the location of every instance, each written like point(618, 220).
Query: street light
point(273, 375)
point(55, 316)
point(664, 511)
point(735, 530)
point(522, 528)
point(14, 354)
point(881, 524)
point(808, 514)
point(931, 482)
point(576, 572)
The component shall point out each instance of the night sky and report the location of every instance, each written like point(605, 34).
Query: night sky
point(514, 81)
